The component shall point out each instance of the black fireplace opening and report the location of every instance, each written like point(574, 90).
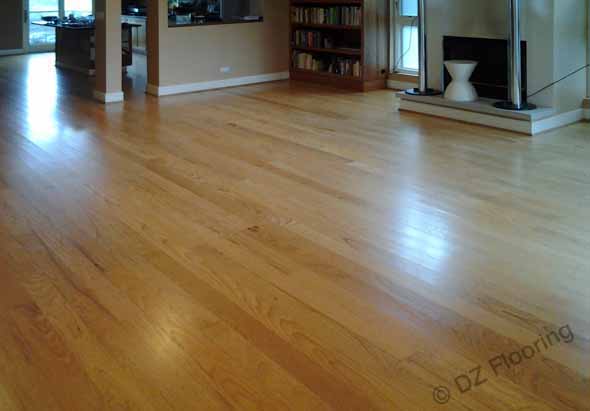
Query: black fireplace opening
point(490, 77)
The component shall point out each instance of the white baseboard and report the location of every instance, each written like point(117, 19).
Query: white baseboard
point(106, 98)
point(217, 84)
point(557, 121)
point(400, 85)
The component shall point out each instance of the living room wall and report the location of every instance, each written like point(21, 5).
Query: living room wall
point(190, 55)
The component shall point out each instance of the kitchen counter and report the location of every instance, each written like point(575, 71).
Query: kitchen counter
point(172, 22)
point(75, 45)
point(73, 26)
point(136, 16)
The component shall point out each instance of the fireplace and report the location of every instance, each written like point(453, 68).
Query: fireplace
point(490, 78)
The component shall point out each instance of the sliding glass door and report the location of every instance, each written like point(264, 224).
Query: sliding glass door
point(43, 38)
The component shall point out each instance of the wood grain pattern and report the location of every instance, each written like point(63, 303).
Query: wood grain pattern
point(282, 246)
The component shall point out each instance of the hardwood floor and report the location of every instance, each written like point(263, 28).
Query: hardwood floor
point(284, 246)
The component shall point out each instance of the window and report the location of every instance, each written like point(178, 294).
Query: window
point(405, 36)
point(43, 38)
point(79, 8)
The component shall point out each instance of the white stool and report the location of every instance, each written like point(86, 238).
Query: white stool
point(460, 88)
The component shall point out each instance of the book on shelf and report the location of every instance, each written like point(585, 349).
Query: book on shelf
point(319, 40)
point(342, 66)
point(313, 39)
point(338, 15)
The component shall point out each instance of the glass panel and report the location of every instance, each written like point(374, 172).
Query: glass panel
point(409, 37)
point(40, 37)
point(409, 8)
point(79, 8)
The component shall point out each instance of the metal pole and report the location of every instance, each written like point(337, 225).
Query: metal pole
point(423, 56)
point(515, 83)
point(514, 62)
point(422, 89)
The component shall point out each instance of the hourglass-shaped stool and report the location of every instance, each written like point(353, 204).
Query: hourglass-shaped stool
point(460, 88)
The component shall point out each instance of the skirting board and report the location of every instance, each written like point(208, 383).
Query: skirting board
point(520, 126)
point(109, 97)
point(217, 84)
point(400, 85)
point(557, 121)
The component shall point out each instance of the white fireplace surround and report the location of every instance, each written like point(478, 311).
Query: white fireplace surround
point(558, 43)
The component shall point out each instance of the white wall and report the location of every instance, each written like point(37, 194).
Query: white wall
point(571, 40)
point(588, 50)
point(538, 30)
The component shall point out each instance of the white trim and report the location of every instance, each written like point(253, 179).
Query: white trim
point(557, 121)
point(520, 126)
point(400, 85)
point(526, 126)
point(106, 98)
point(212, 85)
point(11, 52)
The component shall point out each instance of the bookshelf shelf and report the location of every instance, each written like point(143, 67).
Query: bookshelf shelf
point(326, 74)
point(326, 26)
point(343, 52)
point(341, 43)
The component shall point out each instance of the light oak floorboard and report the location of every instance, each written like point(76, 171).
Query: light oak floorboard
point(282, 246)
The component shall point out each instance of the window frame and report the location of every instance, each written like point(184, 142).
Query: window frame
point(399, 21)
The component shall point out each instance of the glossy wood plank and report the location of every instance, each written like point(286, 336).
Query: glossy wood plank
point(281, 246)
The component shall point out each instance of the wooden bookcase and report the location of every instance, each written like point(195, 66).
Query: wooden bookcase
point(367, 42)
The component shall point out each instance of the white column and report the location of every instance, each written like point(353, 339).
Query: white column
point(108, 46)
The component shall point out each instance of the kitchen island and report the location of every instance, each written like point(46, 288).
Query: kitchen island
point(75, 45)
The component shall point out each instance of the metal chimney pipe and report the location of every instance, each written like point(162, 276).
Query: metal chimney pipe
point(514, 62)
point(422, 46)
point(422, 89)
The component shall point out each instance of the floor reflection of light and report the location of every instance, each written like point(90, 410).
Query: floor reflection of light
point(41, 95)
point(424, 236)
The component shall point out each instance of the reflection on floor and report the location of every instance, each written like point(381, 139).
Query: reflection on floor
point(284, 246)
point(135, 80)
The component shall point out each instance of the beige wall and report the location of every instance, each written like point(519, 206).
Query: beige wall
point(108, 46)
point(196, 54)
point(11, 27)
